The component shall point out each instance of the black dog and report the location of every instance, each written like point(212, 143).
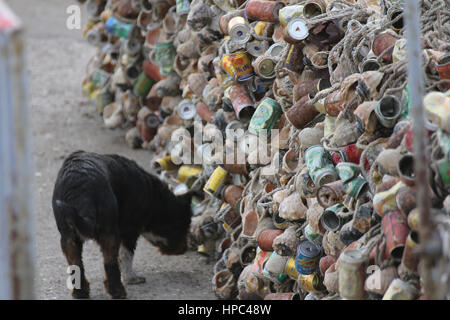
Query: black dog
point(112, 200)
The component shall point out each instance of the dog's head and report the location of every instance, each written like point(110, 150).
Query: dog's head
point(173, 236)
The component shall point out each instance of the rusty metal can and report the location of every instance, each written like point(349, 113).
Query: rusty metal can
point(443, 68)
point(381, 43)
point(352, 274)
point(261, 10)
point(204, 112)
point(301, 113)
point(331, 194)
point(334, 104)
point(242, 103)
point(238, 66)
point(307, 258)
point(294, 58)
point(362, 218)
point(396, 231)
point(309, 87)
point(266, 237)
point(410, 258)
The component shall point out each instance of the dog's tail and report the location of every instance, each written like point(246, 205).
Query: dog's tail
point(74, 220)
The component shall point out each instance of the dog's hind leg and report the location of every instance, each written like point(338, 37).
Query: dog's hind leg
point(109, 246)
point(72, 249)
point(126, 254)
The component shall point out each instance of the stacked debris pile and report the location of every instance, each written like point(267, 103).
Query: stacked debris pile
point(325, 83)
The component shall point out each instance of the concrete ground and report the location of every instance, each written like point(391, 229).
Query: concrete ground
point(63, 121)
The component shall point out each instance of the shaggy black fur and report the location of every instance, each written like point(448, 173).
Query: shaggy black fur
point(112, 200)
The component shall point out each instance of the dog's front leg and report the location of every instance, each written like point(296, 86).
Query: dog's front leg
point(126, 254)
point(113, 284)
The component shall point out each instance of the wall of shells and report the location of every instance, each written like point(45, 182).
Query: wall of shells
point(338, 219)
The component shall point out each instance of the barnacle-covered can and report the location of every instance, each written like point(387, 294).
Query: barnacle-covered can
point(215, 181)
point(307, 258)
point(320, 165)
point(275, 49)
point(238, 66)
point(288, 13)
point(388, 110)
point(296, 30)
point(264, 66)
point(186, 109)
point(265, 117)
point(239, 30)
point(410, 258)
point(352, 274)
point(257, 48)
